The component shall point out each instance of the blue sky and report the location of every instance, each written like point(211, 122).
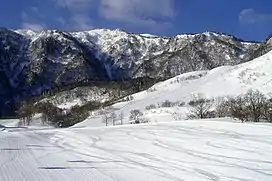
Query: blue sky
point(246, 19)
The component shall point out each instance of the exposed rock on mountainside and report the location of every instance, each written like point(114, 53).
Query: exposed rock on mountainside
point(132, 55)
point(262, 49)
point(32, 62)
point(57, 58)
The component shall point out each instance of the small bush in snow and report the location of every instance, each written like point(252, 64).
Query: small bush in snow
point(136, 116)
point(152, 106)
point(152, 89)
point(128, 98)
point(181, 104)
point(167, 104)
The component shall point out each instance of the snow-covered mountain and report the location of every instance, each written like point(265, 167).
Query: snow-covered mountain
point(127, 55)
point(217, 83)
point(131, 55)
point(31, 62)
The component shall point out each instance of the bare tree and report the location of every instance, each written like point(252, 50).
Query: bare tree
point(222, 107)
point(105, 119)
point(121, 117)
point(136, 116)
point(200, 107)
point(113, 118)
point(267, 111)
point(255, 101)
point(238, 108)
point(44, 118)
point(26, 113)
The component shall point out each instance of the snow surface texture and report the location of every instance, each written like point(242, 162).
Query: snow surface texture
point(217, 83)
point(187, 150)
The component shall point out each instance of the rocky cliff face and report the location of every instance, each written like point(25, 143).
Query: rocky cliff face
point(31, 62)
point(262, 49)
point(57, 58)
point(130, 55)
point(13, 60)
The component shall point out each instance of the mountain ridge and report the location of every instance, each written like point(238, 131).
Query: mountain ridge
point(147, 35)
point(36, 62)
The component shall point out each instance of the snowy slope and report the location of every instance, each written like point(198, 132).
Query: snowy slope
point(27, 33)
point(216, 83)
point(189, 151)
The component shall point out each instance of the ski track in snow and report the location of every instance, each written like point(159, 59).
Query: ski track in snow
point(185, 150)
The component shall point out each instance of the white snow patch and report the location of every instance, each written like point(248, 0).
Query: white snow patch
point(149, 35)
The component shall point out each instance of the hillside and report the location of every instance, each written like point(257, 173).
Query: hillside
point(216, 83)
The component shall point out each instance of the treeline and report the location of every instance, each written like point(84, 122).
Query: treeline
point(120, 89)
point(129, 86)
point(250, 107)
point(54, 116)
point(136, 117)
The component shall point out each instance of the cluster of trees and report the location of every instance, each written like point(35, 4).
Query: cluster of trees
point(136, 117)
point(60, 118)
point(165, 104)
point(52, 115)
point(252, 106)
point(112, 117)
point(168, 103)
